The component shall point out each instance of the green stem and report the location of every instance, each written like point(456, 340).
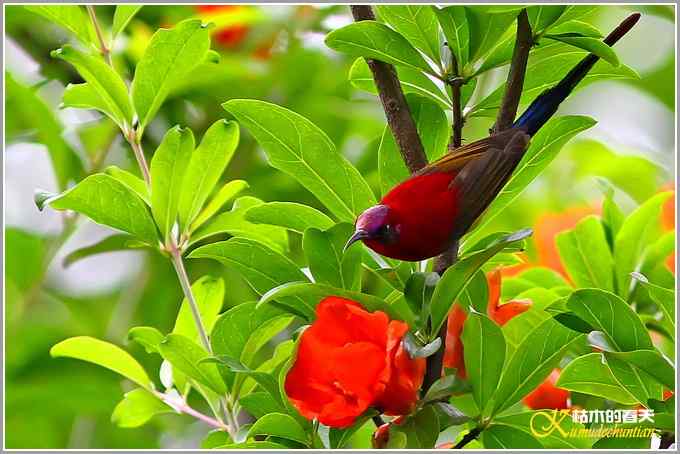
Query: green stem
point(178, 263)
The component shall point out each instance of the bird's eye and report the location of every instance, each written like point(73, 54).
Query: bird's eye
point(387, 233)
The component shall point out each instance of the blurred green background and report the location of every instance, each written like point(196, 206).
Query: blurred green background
point(273, 53)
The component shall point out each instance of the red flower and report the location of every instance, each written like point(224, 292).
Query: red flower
point(406, 375)
point(453, 353)
point(547, 395)
point(349, 360)
point(232, 35)
point(501, 314)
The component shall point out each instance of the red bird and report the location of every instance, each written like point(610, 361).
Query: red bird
point(423, 216)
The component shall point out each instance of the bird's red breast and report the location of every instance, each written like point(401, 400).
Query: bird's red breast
point(423, 210)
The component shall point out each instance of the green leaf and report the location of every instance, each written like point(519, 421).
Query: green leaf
point(417, 24)
point(259, 404)
point(418, 292)
point(639, 229)
point(297, 147)
point(121, 17)
point(328, 262)
point(32, 111)
point(266, 380)
point(533, 360)
point(169, 57)
point(543, 149)
point(137, 408)
point(501, 436)
point(650, 361)
point(130, 180)
point(84, 96)
point(459, 275)
point(372, 39)
point(417, 349)
point(542, 17)
point(168, 166)
point(432, 127)
point(612, 217)
point(103, 354)
point(209, 296)
point(454, 23)
point(257, 445)
point(484, 356)
point(585, 254)
point(636, 381)
point(262, 267)
point(592, 45)
point(69, 17)
point(107, 201)
point(610, 314)
point(338, 438)
point(636, 175)
point(104, 81)
point(207, 163)
point(244, 329)
point(476, 293)
point(516, 329)
point(589, 374)
point(279, 425)
point(543, 73)
point(576, 26)
point(421, 429)
point(233, 222)
point(311, 294)
point(186, 355)
point(411, 80)
point(292, 216)
point(230, 190)
point(575, 12)
point(551, 439)
point(486, 28)
point(215, 439)
point(146, 336)
point(119, 242)
point(664, 299)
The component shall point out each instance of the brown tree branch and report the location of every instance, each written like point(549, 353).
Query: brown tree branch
point(457, 125)
point(394, 104)
point(518, 68)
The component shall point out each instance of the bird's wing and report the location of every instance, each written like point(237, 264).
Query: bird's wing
point(454, 161)
point(481, 179)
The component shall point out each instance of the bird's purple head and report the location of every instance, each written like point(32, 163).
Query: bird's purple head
point(374, 224)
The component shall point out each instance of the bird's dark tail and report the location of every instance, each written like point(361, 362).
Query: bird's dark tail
point(546, 104)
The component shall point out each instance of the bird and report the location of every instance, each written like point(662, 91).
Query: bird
point(426, 214)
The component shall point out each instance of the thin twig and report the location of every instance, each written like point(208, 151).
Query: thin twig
point(134, 141)
point(103, 48)
point(180, 405)
point(518, 68)
point(394, 104)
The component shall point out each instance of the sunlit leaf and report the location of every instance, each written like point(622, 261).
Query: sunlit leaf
point(372, 39)
point(207, 163)
point(296, 146)
point(168, 166)
point(170, 56)
point(103, 354)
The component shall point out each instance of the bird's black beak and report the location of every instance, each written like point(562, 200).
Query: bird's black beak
point(358, 235)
